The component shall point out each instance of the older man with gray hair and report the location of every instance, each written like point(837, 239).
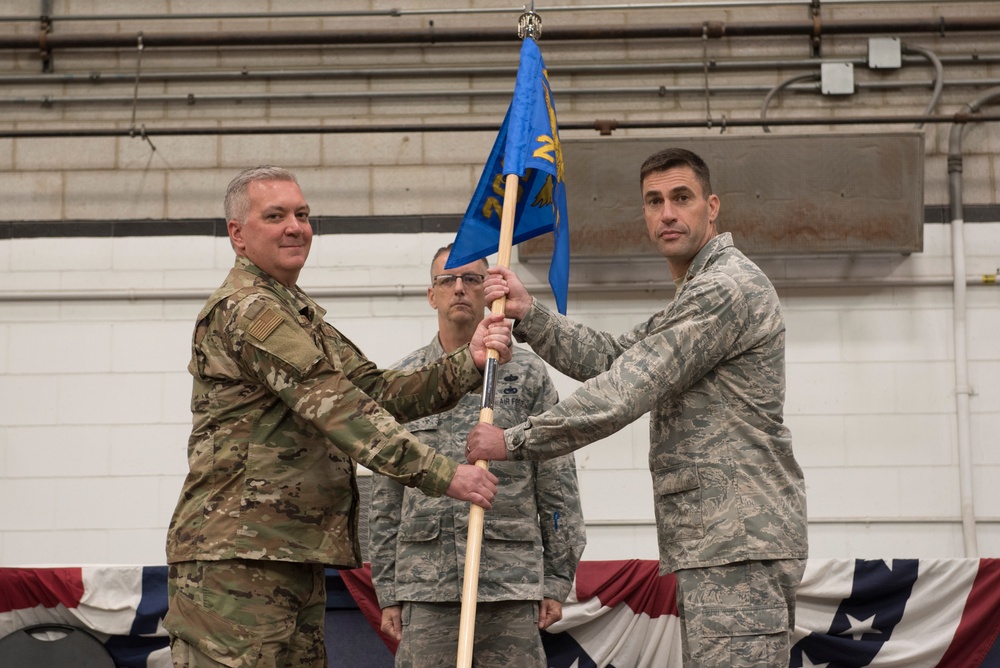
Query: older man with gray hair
point(283, 406)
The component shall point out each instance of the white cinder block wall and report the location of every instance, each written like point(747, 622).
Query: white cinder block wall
point(94, 329)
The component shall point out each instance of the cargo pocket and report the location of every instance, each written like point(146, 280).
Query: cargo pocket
point(215, 636)
point(678, 502)
point(755, 636)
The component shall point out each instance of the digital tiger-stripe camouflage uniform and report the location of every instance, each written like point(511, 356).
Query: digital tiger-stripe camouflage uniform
point(282, 403)
point(729, 495)
point(533, 536)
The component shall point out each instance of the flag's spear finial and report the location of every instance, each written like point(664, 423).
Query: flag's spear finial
point(529, 24)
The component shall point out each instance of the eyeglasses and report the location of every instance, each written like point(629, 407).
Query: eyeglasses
point(448, 280)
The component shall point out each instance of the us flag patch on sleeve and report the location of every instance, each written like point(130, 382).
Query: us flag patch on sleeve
point(264, 324)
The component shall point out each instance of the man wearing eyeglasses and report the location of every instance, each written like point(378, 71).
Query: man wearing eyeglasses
point(533, 536)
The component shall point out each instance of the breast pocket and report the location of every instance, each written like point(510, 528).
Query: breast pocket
point(420, 552)
point(678, 502)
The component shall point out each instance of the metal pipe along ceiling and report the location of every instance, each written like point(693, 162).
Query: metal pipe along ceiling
point(96, 78)
point(639, 91)
point(45, 42)
point(396, 12)
point(602, 126)
point(653, 90)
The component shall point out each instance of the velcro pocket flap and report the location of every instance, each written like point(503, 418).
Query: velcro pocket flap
point(751, 621)
point(419, 529)
point(429, 423)
point(510, 530)
point(673, 481)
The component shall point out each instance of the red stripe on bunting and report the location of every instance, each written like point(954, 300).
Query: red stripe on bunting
point(979, 629)
point(48, 587)
point(635, 582)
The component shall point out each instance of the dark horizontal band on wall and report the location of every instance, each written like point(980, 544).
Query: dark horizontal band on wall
point(31, 229)
point(28, 229)
point(971, 213)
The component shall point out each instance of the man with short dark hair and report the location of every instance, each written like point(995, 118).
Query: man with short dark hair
point(283, 405)
point(533, 536)
point(710, 368)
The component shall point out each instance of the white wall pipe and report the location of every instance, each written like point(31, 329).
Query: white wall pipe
point(963, 391)
point(960, 316)
point(377, 291)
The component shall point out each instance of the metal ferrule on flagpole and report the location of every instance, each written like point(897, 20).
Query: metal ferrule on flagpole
point(489, 383)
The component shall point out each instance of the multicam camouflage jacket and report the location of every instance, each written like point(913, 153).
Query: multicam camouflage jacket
point(533, 536)
point(710, 369)
point(282, 403)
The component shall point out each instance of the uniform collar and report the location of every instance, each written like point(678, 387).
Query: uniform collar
point(435, 349)
point(707, 253)
point(294, 296)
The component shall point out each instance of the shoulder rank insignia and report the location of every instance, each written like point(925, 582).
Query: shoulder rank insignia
point(264, 324)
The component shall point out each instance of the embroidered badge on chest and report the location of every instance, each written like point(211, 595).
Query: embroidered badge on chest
point(264, 324)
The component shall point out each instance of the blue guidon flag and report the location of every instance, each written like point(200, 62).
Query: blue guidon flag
point(527, 145)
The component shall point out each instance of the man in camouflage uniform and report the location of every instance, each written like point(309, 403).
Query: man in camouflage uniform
point(729, 495)
point(532, 538)
point(282, 403)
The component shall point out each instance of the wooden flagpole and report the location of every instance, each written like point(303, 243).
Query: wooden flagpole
point(530, 26)
point(474, 544)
